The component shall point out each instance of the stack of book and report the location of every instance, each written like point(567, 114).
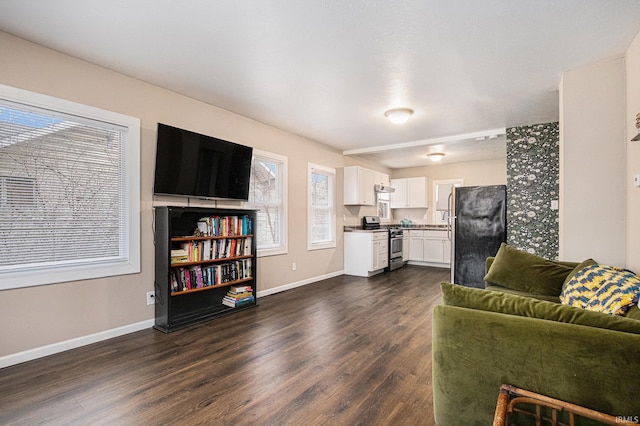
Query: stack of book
point(239, 296)
point(179, 255)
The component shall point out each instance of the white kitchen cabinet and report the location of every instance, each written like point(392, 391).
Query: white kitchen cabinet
point(380, 253)
point(431, 247)
point(381, 179)
point(410, 193)
point(366, 253)
point(416, 245)
point(399, 196)
point(433, 250)
point(358, 186)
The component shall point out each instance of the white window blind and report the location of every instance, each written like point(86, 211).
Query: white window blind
point(267, 194)
point(64, 192)
point(321, 207)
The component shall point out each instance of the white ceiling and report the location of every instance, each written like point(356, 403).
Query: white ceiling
point(329, 69)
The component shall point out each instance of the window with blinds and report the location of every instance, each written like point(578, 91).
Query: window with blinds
point(65, 200)
point(322, 214)
point(267, 194)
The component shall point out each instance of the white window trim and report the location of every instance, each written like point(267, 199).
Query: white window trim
point(284, 247)
point(11, 280)
point(329, 244)
point(438, 217)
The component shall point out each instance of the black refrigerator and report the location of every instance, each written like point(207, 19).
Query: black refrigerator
point(479, 225)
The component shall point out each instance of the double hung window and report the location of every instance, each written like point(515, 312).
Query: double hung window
point(268, 194)
point(321, 207)
point(69, 191)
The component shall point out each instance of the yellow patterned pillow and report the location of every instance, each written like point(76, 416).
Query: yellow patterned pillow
point(584, 284)
point(602, 288)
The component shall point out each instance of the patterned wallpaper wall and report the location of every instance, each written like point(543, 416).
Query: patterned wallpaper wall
point(532, 183)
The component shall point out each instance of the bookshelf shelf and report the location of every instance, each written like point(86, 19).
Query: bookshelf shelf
point(216, 270)
point(208, 261)
point(216, 237)
point(212, 287)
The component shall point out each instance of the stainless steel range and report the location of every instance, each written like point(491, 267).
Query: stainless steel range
point(395, 248)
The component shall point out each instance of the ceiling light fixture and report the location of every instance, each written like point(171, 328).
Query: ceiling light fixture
point(436, 156)
point(399, 115)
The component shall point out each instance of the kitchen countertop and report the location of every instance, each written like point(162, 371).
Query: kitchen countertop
point(426, 226)
point(361, 229)
point(385, 227)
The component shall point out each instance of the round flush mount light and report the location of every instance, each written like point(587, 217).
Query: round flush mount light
point(399, 115)
point(436, 156)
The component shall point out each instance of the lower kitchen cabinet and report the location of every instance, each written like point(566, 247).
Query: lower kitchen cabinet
point(416, 245)
point(366, 253)
point(429, 247)
point(433, 250)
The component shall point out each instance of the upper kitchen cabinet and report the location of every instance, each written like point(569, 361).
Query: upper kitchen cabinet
point(381, 179)
point(410, 193)
point(358, 186)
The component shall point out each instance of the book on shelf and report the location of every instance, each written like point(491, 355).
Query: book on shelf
point(183, 279)
point(196, 251)
point(246, 248)
point(179, 255)
point(225, 226)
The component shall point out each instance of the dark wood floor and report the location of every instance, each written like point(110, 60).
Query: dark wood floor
point(344, 351)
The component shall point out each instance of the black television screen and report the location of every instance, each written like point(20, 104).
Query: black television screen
point(194, 165)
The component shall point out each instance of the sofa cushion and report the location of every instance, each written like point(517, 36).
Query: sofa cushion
point(496, 287)
point(487, 300)
point(522, 271)
point(633, 312)
point(602, 288)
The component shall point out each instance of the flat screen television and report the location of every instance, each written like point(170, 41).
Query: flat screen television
point(193, 165)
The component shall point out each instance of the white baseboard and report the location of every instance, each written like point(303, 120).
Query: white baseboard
point(298, 284)
point(54, 348)
point(432, 264)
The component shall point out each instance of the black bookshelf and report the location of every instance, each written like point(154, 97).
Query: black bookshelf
point(221, 255)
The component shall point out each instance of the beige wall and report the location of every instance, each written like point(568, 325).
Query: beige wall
point(39, 316)
point(487, 172)
point(592, 163)
point(632, 61)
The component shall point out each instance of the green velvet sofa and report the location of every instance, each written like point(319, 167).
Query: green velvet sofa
point(483, 338)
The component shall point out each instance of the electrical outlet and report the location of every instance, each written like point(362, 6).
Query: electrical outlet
point(294, 266)
point(151, 297)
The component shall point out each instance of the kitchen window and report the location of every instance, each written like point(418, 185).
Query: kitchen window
point(268, 194)
point(321, 207)
point(383, 202)
point(69, 191)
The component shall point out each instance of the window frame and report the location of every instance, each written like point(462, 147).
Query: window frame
point(29, 277)
point(331, 174)
point(282, 182)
